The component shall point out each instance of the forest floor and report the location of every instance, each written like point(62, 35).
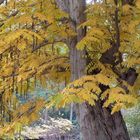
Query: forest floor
point(52, 129)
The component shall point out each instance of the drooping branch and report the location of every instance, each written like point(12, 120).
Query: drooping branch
point(46, 42)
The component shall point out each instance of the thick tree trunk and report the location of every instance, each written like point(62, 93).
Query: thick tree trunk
point(96, 123)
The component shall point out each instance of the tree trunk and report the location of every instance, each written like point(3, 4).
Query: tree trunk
point(71, 112)
point(96, 123)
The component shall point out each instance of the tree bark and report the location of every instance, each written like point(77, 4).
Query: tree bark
point(96, 123)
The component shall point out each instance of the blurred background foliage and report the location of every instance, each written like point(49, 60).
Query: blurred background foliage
point(132, 119)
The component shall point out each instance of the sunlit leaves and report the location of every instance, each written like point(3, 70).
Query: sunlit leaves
point(32, 51)
point(87, 90)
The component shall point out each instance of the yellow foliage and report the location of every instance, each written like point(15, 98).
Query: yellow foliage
point(33, 50)
point(30, 54)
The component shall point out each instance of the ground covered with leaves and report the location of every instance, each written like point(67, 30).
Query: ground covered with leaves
point(52, 129)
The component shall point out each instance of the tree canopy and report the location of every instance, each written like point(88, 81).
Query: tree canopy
point(34, 48)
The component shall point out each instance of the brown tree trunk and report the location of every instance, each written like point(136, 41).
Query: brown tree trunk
point(96, 123)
